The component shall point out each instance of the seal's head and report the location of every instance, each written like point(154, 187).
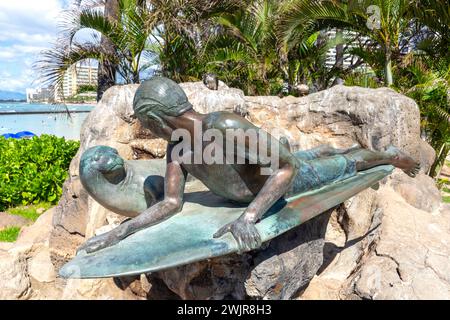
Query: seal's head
point(101, 159)
point(156, 100)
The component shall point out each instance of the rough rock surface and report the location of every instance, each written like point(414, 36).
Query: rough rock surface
point(389, 243)
point(26, 271)
point(417, 192)
point(404, 254)
point(10, 220)
point(411, 259)
point(206, 100)
point(341, 116)
point(15, 283)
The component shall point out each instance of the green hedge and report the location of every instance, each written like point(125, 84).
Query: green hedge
point(33, 170)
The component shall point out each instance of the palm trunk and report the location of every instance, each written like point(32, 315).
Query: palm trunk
point(388, 66)
point(339, 52)
point(136, 78)
point(107, 69)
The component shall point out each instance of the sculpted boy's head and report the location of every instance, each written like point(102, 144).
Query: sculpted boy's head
point(157, 98)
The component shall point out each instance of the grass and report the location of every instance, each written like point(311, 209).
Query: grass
point(29, 211)
point(9, 234)
point(446, 199)
point(445, 189)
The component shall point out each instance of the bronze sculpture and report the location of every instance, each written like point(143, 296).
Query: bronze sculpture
point(211, 81)
point(124, 187)
point(162, 106)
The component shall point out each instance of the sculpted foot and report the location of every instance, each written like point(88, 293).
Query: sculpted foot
point(354, 147)
point(403, 161)
point(285, 142)
point(245, 234)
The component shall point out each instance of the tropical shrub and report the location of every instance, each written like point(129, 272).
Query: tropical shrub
point(360, 79)
point(87, 88)
point(33, 170)
point(428, 83)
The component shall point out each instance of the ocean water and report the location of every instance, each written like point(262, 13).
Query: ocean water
point(43, 119)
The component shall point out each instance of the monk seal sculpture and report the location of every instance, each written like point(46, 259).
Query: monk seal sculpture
point(126, 187)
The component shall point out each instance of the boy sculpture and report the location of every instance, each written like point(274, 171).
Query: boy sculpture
point(162, 106)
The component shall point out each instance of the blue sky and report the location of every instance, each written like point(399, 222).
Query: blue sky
point(26, 28)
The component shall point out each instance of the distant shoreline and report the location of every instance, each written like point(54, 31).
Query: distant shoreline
point(87, 103)
point(2, 113)
point(12, 100)
point(39, 108)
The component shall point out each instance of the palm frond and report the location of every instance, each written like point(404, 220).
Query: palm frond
point(54, 63)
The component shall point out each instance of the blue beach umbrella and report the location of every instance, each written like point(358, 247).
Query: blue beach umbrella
point(10, 135)
point(25, 134)
point(19, 135)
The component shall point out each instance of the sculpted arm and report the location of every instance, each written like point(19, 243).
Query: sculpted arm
point(172, 203)
point(275, 187)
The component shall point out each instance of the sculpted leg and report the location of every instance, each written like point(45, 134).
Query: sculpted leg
point(324, 151)
point(327, 150)
point(366, 159)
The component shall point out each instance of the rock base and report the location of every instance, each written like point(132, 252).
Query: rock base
point(390, 243)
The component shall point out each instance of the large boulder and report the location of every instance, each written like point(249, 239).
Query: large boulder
point(411, 255)
point(331, 256)
point(26, 271)
point(401, 253)
point(15, 282)
point(342, 116)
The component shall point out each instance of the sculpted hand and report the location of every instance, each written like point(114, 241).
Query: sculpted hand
point(244, 232)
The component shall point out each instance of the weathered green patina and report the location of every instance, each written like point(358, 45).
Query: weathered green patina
point(124, 187)
point(176, 226)
point(188, 236)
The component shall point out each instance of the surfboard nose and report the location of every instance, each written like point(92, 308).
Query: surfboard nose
point(72, 269)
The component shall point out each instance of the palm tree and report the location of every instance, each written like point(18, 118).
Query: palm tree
point(107, 69)
point(382, 21)
point(128, 36)
point(307, 61)
point(433, 17)
point(431, 92)
point(181, 32)
point(245, 53)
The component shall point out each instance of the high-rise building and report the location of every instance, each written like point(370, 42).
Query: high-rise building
point(41, 95)
point(76, 76)
point(348, 59)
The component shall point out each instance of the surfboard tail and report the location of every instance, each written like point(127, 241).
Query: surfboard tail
point(303, 207)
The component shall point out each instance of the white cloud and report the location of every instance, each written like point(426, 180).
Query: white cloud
point(17, 51)
point(18, 82)
point(29, 16)
point(26, 28)
point(18, 75)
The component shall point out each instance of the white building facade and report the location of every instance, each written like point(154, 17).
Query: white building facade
point(79, 75)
